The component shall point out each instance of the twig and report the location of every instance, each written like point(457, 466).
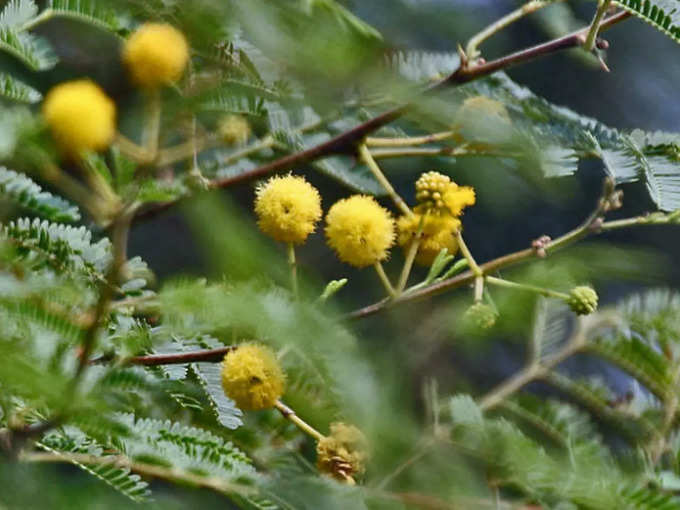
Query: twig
point(290, 415)
point(409, 140)
point(602, 8)
point(474, 42)
point(292, 264)
point(501, 262)
point(384, 279)
point(499, 282)
point(208, 355)
point(366, 157)
point(148, 470)
point(346, 142)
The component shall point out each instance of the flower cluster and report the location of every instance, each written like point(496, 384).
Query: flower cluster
point(252, 377)
point(342, 454)
point(436, 216)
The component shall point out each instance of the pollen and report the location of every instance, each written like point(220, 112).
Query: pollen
point(359, 230)
point(342, 454)
point(288, 208)
point(155, 55)
point(80, 116)
point(252, 377)
point(438, 232)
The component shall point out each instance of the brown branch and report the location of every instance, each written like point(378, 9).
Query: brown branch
point(347, 142)
point(209, 355)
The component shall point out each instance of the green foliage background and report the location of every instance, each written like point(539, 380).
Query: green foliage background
point(602, 391)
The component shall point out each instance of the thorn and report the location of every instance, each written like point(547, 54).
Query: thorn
point(463, 57)
point(603, 65)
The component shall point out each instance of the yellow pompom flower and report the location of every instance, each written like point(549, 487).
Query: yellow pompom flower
point(359, 230)
point(439, 232)
point(342, 454)
point(252, 377)
point(156, 54)
point(437, 193)
point(287, 208)
point(81, 116)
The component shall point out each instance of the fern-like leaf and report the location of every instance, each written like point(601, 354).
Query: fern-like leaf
point(32, 51)
point(23, 191)
point(87, 11)
point(209, 375)
point(15, 90)
point(17, 12)
point(66, 247)
point(664, 15)
point(117, 477)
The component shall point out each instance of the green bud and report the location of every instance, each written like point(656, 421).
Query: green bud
point(481, 316)
point(582, 300)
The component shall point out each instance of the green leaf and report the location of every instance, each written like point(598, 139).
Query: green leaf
point(20, 189)
point(464, 410)
point(33, 51)
point(119, 478)
point(15, 90)
point(663, 15)
point(17, 12)
point(209, 375)
point(185, 447)
point(88, 11)
point(65, 247)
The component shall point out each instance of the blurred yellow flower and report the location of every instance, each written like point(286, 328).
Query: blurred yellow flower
point(439, 232)
point(359, 230)
point(287, 208)
point(156, 54)
point(252, 377)
point(81, 116)
point(234, 129)
point(342, 454)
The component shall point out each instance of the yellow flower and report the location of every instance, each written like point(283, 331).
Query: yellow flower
point(359, 230)
point(234, 130)
point(439, 194)
point(287, 208)
point(456, 198)
point(156, 54)
point(252, 377)
point(343, 454)
point(81, 116)
point(439, 232)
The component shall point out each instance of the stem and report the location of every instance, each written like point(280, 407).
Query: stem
point(670, 411)
point(602, 8)
point(409, 140)
point(442, 151)
point(293, 270)
point(131, 149)
point(408, 262)
point(496, 264)
point(365, 155)
point(305, 427)
point(474, 42)
point(384, 279)
point(345, 142)
point(476, 270)
point(149, 470)
point(205, 356)
point(479, 289)
point(499, 282)
point(510, 386)
point(153, 123)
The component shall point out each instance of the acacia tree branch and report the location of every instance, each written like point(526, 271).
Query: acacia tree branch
point(348, 141)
